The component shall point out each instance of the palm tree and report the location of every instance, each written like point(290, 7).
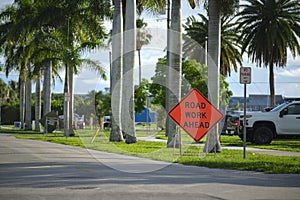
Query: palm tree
point(128, 121)
point(214, 51)
point(28, 96)
point(216, 9)
point(143, 37)
point(116, 72)
point(86, 30)
point(14, 40)
point(270, 28)
point(79, 27)
point(174, 69)
point(47, 91)
point(153, 6)
point(230, 43)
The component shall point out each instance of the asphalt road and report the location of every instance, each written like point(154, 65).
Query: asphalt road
point(40, 170)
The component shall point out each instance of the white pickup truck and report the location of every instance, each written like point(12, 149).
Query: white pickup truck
point(262, 127)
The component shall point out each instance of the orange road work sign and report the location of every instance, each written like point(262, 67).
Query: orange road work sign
point(195, 114)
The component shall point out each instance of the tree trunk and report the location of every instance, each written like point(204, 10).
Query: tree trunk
point(37, 105)
point(168, 107)
point(116, 73)
point(66, 102)
point(140, 66)
point(128, 128)
point(28, 125)
point(272, 86)
point(214, 47)
point(47, 88)
point(174, 69)
point(22, 102)
point(71, 103)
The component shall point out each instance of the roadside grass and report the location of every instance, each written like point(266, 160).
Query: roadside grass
point(192, 155)
point(281, 144)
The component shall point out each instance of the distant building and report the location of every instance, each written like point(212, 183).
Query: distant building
point(255, 102)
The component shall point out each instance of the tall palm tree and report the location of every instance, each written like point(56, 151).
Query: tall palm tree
point(116, 72)
point(214, 51)
point(13, 41)
point(28, 96)
point(216, 8)
point(37, 105)
point(153, 6)
point(174, 69)
point(143, 37)
point(86, 30)
point(128, 121)
point(270, 28)
point(47, 87)
point(230, 43)
point(79, 25)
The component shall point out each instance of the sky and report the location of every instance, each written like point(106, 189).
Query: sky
point(287, 79)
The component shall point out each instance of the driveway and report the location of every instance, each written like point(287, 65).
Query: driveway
point(40, 170)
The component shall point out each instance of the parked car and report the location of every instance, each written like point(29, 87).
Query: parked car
point(80, 123)
point(106, 122)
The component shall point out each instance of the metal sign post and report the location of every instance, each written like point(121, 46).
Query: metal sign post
point(245, 78)
point(0, 112)
point(244, 120)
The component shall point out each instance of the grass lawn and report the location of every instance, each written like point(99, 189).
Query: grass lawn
point(228, 159)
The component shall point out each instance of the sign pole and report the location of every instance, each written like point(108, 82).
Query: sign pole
point(245, 78)
point(180, 141)
point(244, 122)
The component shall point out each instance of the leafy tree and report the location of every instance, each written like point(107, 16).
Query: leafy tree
point(269, 29)
point(195, 76)
point(230, 43)
point(102, 106)
point(140, 96)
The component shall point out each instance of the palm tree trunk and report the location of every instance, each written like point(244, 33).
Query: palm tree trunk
point(71, 102)
point(214, 48)
point(140, 66)
point(128, 82)
point(47, 88)
point(174, 69)
point(272, 85)
point(37, 104)
point(28, 125)
point(116, 73)
point(66, 103)
point(22, 102)
point(168, 107)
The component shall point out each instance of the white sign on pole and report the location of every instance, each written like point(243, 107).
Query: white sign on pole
point(245, 78)
point(245, 75)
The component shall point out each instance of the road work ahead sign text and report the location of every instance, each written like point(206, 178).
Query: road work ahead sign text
point(195, 114)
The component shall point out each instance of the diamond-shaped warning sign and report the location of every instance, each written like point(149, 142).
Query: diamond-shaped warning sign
point(195, 114)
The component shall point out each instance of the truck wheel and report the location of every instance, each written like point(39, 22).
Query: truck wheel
point(249, 136)
point(262, 135)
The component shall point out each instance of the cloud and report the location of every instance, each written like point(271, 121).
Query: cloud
point(289, 73)
point(92, 81)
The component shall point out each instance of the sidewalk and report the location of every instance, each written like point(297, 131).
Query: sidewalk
point(253, 150)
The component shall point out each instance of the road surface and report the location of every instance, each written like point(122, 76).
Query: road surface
point(40, 170)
